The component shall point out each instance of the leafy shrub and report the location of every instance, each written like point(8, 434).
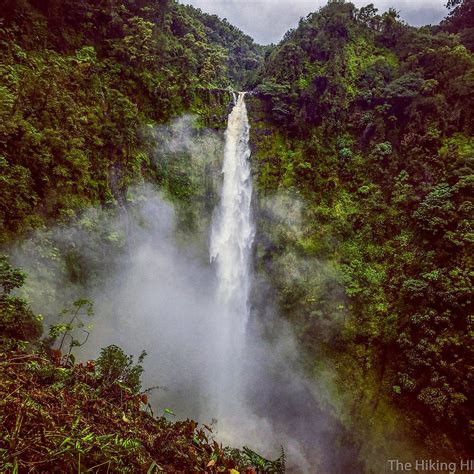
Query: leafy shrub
point(75, 322)
point(248, 459)
point(17, 321)
point(114, 366)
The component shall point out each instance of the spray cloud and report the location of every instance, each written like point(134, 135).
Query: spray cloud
point(154, 289)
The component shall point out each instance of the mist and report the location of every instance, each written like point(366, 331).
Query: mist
point(159, 296)
point(154, 289)
point(146, 268)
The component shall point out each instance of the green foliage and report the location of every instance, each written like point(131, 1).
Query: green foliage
point(367, 121)
point(264, 465)
point(10, 278)
point(246, 459)
point(242, 55)
point(79, 83)
point(381, 113)
point(114, 366)
point(66, 330)
point(460, 20)
point(17, 321)
point(57, 419)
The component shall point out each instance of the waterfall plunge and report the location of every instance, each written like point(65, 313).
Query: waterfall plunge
point(232, 236)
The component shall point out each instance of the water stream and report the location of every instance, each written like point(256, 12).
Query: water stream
point(232, 236)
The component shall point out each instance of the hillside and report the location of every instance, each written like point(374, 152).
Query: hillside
point(61, 416)
point(81, 85)
point(361, 130)
point(369, 122)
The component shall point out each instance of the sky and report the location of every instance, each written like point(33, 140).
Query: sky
point(266, 21)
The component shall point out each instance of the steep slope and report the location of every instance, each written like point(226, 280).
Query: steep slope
point(81, 82)
point(369, 124)
point(461, 21)
point(363, 144)
point(244, 56)
point(60, 416)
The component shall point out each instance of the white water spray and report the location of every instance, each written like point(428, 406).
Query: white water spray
point(231, 244)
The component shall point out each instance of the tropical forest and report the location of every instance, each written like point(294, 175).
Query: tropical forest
point(224, 256)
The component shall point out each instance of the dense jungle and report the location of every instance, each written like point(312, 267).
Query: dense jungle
point(115, 117)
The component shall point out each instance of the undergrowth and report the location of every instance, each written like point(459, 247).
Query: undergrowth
point(58, 417)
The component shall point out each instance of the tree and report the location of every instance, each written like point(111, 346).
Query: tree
point(114, 366)
point(461, 20)
point(17, 321)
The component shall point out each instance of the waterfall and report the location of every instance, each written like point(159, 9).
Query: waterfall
point(232, 237)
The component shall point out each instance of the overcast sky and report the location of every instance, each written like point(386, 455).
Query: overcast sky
point(268, 20)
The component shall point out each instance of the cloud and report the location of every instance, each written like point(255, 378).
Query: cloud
point(268, 20)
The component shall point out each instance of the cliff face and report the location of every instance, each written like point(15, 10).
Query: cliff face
point(83, 83)
point(362, 145)
point(362, 129)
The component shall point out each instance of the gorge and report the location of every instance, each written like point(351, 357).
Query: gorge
point(294, 260)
